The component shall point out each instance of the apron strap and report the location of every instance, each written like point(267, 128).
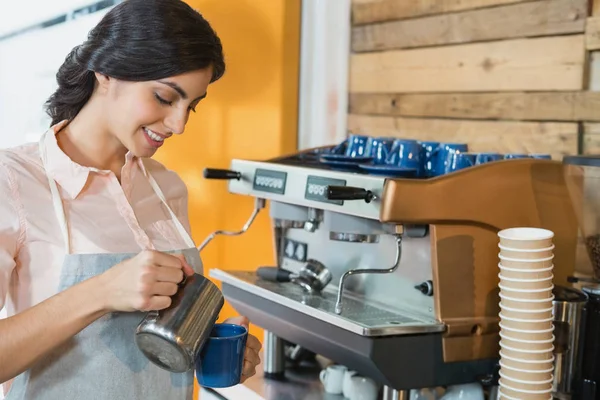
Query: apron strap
point(180, 228)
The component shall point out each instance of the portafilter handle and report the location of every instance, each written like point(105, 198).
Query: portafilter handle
point(259, 204)
point(349, 193)
point(215, 173)
point(275, 274)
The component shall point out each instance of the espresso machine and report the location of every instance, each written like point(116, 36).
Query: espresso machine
point(582, 175)
point(405, 289)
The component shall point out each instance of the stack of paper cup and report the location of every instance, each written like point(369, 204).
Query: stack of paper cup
point(526, 329)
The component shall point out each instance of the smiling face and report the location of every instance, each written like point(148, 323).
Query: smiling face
point(143, 115)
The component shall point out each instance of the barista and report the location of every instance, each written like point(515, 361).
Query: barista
point(93, 231)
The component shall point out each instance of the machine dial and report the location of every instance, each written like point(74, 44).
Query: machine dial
point(426, 288)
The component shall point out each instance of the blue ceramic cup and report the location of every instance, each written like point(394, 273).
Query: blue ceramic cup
point(340, 148)
point(516, 156)
point(407, 153)
point(430, 155)
point(458, 161)
point(357, 146)
point(483, 158)
point(379, 148)
point(222, 357)
point(444, 154)
point(542, 156)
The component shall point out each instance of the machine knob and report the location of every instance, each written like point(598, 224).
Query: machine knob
point(349, 193)
point(426, 288)
point(214, 173)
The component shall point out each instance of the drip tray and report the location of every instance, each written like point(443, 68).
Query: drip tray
point(358, 316)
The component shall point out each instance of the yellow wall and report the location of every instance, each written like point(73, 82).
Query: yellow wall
point(250, 113)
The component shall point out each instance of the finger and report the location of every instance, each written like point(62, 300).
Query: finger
point(167, 274)
point(239, 320)
point(166, 260)
point(156, 303)
point(251, 357)
point(164, 289)
point(253, 343)
point(248, 370)
point(187, 269)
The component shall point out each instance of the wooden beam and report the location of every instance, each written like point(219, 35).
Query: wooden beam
point(592, 33)
point(365, 12)
point(551, 63)
point(556, 138)
point(536, 106)
point(539, 18)
point(591, 138)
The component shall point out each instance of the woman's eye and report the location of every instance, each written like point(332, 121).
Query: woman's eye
point(193, 109)
point(162, 101)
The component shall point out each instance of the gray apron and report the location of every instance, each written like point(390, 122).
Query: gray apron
point(102, 362)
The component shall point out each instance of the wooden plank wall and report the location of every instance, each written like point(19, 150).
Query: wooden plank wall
point(502, 75)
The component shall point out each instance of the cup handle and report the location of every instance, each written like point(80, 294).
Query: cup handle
point(323, 376)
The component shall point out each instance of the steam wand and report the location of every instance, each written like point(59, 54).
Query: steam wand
point(259, 204)
point(338, 304)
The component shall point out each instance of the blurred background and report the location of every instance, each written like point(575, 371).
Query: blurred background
point(512, 76)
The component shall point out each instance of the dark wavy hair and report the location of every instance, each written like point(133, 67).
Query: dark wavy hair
point(138, 40)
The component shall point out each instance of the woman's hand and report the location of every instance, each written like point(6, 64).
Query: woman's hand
point(253, 346)
point(145, 282)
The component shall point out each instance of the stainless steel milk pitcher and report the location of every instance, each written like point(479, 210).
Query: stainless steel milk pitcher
point(172, 338)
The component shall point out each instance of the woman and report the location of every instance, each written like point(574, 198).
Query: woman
point(93, 232)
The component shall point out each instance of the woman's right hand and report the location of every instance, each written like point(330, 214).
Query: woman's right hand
point(145, 282)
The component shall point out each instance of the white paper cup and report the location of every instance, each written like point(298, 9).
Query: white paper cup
point(526, 386)
point(526, 238)
point(529, 365)
point(527, 334)
point(530, 294)
point(526, 314)
point(527, 254)
point(526, 324)
point(508, 388)
point(525, 304)
point(524, 273)
point(503, 396)
point(526, 284)
point(525, 374)
point(520, 263)
point(533, 355)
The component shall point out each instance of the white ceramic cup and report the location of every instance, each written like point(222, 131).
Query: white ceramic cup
point(469, 391)
point(363, 388)
point(332, 378)
point(424, 394)
point(347, 383)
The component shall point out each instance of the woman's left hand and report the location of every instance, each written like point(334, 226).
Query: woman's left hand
point(253, 346)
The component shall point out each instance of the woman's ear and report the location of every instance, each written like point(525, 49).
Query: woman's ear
point(103, 82)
